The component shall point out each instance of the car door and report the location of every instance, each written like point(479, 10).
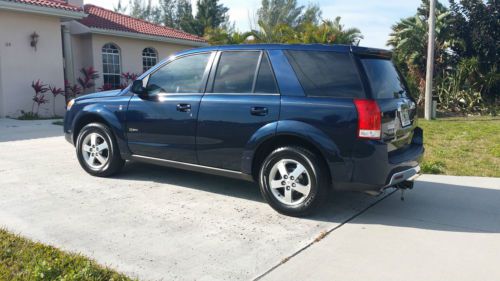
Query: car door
point(242, 97)
point(162, 124)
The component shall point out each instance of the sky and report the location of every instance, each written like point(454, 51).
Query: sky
point(373, 18)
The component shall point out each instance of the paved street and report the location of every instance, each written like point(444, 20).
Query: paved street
point(157, 223)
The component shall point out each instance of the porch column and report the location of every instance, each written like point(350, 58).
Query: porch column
point(69, 73)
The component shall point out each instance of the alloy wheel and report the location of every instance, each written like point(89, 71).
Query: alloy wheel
point(290, 182)
point(95, 151)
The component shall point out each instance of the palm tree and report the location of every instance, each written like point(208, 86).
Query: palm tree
point(333, 32)
point(328, 32)
point(223, 36)
point(409, 41)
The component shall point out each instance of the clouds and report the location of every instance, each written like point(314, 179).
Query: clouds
point(373, 18)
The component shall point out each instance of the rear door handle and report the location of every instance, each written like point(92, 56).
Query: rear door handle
point(184, 107)
point(259, 111)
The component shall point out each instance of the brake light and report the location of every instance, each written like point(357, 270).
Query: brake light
point(369, 119)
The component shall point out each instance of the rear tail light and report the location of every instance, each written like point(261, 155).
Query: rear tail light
point(369, 119)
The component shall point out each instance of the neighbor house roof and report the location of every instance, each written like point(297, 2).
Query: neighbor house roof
point(101, 18)
point(56, 4)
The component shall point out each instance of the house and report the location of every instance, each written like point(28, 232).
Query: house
point(52, 40)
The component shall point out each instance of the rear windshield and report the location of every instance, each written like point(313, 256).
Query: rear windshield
point(326, 74)
point(385, 81)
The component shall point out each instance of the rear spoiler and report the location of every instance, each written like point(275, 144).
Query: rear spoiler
point(371, 52)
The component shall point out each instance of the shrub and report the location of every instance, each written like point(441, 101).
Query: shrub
point(39, 97)
point(55, 92)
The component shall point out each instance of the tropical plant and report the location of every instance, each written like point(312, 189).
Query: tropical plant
point(459, 91)
point(39, 97)
point(55, 92)
point(222, 36)
point(128, 77)
point(476, 23)
point(329, 32)
point(71, 91)
point(409, 40)
point(90, 74)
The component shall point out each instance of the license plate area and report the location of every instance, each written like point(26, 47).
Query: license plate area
point(404, 117)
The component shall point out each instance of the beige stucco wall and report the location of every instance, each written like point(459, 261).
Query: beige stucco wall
point(82, 53)
point(131, 53)
point(20, 64)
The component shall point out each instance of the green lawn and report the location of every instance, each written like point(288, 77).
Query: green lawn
point(462, 146)
point(21, 259)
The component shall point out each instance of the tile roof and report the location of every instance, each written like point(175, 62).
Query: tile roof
point(105, 19)
point(56, 4)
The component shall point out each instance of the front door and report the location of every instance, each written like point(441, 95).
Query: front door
point(242, 97)
point(163, 124)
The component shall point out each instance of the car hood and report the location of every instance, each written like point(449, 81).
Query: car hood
point(104, 94)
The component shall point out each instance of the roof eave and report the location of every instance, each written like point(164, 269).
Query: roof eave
point(28, 8)
point(134, 35)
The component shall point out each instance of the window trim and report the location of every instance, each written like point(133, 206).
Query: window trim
point(119, 54)
point(216, 64)
point(206, 72)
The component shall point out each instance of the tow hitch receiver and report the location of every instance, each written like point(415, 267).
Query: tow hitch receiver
point(402, 186)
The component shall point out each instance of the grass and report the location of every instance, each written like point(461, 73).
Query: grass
point(462, 146)
point(21, 259)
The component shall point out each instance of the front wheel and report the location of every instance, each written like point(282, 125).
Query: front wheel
point(293, 181)
point(97, 151)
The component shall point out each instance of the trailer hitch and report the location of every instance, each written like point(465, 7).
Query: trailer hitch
point(403, 186)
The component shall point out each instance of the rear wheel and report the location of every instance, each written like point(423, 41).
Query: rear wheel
point(293, 181)
point(97, 151)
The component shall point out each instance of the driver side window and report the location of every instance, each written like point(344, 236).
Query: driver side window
point(181, 76)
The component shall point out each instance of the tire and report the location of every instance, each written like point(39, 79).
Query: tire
point(288, 194)
point(97, 151)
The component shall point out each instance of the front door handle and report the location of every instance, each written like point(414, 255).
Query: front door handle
point(259, 111)
point(184, 107)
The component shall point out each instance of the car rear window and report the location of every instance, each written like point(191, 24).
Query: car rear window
point(385, 81)
point(326, 74)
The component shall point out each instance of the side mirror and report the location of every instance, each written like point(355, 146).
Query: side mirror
point(138, 88)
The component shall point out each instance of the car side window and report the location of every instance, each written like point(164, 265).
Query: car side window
point(183, 75)
point(236, 71)
point(265, 83)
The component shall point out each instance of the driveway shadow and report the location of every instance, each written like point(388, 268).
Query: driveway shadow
point(431, 205)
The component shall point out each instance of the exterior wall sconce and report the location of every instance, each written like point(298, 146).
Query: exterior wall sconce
point(34, 39)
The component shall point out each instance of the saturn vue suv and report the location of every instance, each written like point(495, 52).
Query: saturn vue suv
point(300, 120)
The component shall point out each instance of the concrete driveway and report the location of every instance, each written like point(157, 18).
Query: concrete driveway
point(164, 224)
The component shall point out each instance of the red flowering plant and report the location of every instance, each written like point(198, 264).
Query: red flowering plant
point(128, 78)
point(39, 97)
point(55, 92)
point(71, 91)
point(89, 77)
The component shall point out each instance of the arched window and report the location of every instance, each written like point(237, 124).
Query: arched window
point(149, 58)
point(111, 65)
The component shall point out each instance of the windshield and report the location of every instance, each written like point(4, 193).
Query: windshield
point(385, 81)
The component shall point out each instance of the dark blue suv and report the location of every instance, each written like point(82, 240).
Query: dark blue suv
point(300, 120)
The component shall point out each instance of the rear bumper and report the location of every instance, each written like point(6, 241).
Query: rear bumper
point(406, 175)
point(375, 168)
